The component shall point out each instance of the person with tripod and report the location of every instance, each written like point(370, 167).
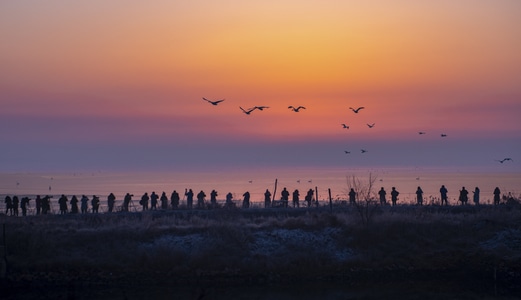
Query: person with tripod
point(127, 201)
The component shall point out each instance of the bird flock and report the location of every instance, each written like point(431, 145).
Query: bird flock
point(356, 110)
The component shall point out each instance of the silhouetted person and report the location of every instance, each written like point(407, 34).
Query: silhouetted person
point(95, 204)
point(419, 196)
point(144, 201)
point(296, 198)
point(126, 201)
point(153, 201)
point(229, 203)
point(8, 205)
point(164, 201)
point(174, 199)
point(475, 197)
point(463, 196)
point(111, 199)
point(63, 204)
point(382, 193)
point(394, 195)
point(443, 194)
point(16, 202)
point(267, 198)
point(309, 197)
point(352, 196)
point(213, 198)
point(23, 205)
point(74, 205)
point(38, 203)
point(200, 199)
point(246, 200)
point(284, 197)
point(46, 204)
point(84, 204)
point(497, 196)
point(189, 198)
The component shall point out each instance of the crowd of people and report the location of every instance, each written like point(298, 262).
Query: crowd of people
point(75, 205)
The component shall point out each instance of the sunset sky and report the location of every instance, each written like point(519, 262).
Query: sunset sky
point(118, 85)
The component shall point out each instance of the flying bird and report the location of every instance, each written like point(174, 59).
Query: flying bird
point(421, 132)
point(363, 150)
point(261, 107)
point(370, 125)
point(357, 109)
point(248, 111)
point(344, 126)
point(505, 159)
point(213, 102)
point(443, 135)
point(296, 109)
point(347, 152)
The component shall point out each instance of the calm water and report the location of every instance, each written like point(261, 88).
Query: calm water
point(257, 181)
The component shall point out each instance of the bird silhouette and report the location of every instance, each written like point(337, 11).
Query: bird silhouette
point(261, 107)
point(443, 135)
point(344, 126)
point(363, 150)
point(296, 109)
point(357, 109)
point(347, 152)
point(248, 111)
point(421, 132)
point(504, 159)
point(213, 102)
point(370, 125)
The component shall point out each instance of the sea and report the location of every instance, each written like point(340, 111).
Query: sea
point(326, 181)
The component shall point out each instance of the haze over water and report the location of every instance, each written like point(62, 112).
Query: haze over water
point(406, 180)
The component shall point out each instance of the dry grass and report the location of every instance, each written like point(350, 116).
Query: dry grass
point(264, 244)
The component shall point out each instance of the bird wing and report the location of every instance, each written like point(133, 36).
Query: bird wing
point(301, 107)
point(291, 106)
point(206, 99)
point(218, 101)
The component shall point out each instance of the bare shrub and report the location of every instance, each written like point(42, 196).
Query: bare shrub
point(366, 204)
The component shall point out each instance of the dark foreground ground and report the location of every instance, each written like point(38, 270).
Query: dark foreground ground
point(345, 253)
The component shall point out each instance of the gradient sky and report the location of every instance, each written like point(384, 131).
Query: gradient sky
point(117, 84)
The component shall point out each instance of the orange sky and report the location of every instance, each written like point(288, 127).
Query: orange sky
point(443, 66)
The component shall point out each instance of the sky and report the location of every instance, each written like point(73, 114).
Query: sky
point(118, 85)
